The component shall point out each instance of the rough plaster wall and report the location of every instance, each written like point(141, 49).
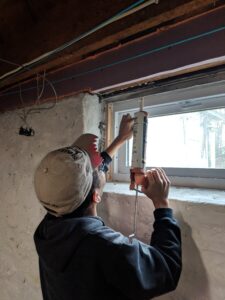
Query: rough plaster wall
point(91, 115)
point(20, 211)
point(203, 235)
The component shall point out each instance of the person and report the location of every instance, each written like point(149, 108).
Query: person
point(79, 256)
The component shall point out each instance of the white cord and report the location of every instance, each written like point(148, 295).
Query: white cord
point(131, 236)
point(82, 36)
point(25, 113)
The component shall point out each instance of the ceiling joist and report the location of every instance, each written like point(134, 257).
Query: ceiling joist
point(45, 25)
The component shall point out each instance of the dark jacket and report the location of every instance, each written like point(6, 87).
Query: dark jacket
point(82, 259)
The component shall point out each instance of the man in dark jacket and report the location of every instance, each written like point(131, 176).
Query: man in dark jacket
point(82, 259)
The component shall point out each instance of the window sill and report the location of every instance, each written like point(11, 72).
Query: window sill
point(196, 195)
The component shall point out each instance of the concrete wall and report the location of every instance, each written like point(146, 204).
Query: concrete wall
point(203, 235)
point(20, 211)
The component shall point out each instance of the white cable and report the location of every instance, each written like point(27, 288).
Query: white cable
point(131, 236)
point(66, 45)
point(25, 113)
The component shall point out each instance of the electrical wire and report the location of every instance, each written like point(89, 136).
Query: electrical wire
point(38, 109)
point(26, 112)
point(37, 102)
point(42, 89)
point(138, 5)
point(22, 115)
point(131, 58)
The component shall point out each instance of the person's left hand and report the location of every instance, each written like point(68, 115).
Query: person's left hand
point(126, 128)
point(125, 133)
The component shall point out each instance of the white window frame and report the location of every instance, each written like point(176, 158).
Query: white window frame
point(202, 97)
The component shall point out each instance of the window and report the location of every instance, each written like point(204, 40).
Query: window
point(186, 135)
point(190, 140)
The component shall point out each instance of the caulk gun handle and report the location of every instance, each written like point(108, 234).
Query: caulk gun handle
point(137, 178)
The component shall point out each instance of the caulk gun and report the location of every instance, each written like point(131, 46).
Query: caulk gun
point(137, 170)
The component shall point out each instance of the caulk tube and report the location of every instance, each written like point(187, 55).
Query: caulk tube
point(137, 171)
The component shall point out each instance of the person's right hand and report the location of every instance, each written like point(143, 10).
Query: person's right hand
point(156, 187)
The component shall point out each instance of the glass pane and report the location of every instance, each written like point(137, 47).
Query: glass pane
point(189, 140)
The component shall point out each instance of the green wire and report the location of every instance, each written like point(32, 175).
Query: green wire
point(145, 53)
point(155, 50)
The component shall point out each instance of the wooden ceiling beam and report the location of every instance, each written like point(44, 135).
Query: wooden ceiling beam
point(155, 17)
point(174, 51)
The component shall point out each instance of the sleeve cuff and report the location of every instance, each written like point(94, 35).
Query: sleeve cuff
point(106, 161)
point(160, 213)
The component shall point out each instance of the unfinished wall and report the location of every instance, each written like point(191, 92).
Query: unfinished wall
point(20, 211)
point(202, 224)
point(203, 235)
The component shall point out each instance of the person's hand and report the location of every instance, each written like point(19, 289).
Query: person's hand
point(156, 187)
point(126, 128)
point(125, 133)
